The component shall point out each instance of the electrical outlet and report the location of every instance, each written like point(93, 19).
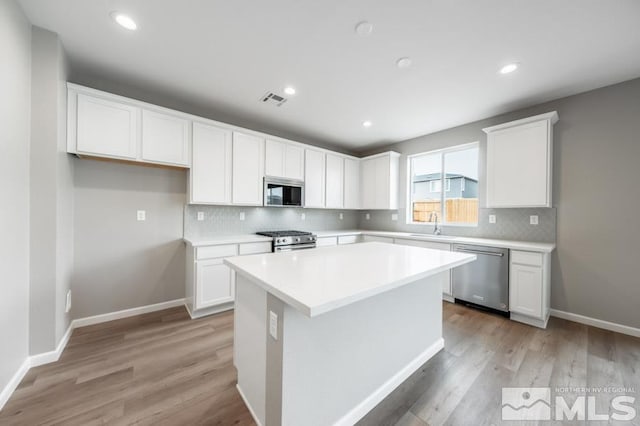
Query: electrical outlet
point(273, 325)
point(533, 219)
point(141, 215)
point(492, 218)
point(367, 216)
point(394, 216)
point(242, 216)
point(200, 216)
point(303, 216)
point(341, 216)
point(68, 304)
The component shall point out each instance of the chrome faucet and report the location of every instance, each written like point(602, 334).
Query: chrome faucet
point(437, 230)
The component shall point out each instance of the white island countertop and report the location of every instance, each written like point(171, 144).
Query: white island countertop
point(327, 278)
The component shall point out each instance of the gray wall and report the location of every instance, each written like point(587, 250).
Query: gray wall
point(225, 220)
point(15, 87)
point(597, 141)
point(121, 263)
point(51, 254)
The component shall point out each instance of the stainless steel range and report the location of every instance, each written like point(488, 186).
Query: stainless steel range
point(290, 240)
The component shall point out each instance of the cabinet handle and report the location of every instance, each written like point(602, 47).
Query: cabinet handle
point(488, 253)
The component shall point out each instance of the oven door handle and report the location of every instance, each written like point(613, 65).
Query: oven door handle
point(296, 247)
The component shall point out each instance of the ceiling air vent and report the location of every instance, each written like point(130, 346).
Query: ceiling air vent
point(272, 98)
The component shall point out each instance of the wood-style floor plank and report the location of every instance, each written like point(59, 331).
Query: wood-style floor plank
point(165, 369)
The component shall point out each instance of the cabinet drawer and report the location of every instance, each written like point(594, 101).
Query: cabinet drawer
point(526, 258)
point(348, 239)
point(253, 248)
point(209, 252)
point(368, 238)
point(326, 241)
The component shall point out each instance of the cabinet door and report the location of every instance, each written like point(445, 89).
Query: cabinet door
point(334, 198)
point(274, 158)
point(293, 162)
point(165, 138)
point(351, 183)
point(367, 184)
point(210, 174)
point(525, 290)
point(518, 167)
point(106, 128)
point(248, 169)
point(326, 241)
point(382, 185)
point(314, 178)
point(444, 277)
point(215, 283)
point(369, 238)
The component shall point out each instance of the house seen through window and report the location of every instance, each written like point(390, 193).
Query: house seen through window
point(454, 169)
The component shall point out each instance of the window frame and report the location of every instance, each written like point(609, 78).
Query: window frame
point(443, 178)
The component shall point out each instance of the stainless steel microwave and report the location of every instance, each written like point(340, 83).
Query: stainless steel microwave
point(283, 192)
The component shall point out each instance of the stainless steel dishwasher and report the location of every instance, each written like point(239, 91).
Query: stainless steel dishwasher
point(484, 282)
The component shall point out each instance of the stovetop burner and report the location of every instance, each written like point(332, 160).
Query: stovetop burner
point(278, 234)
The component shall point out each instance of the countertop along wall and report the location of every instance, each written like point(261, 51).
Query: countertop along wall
point(595, 184)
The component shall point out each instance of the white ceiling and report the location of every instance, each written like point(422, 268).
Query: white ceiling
point(227, 54)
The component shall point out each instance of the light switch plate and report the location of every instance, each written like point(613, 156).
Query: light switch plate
point(303, 216)
point(533, 219)
point(341, 216)
point(394, 216)
point(242, 216)
point(141, 215)
point(273, 325)
point(367, 216)
point(200, 216)
point(492, 218)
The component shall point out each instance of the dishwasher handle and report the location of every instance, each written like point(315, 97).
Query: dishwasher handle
point(488, 253)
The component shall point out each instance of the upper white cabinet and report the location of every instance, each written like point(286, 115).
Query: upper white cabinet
point(284, 160)
point(165, 138)
point(379, 176)
point(210, 174)
point(351, 183)
point(248, 169)
point(314, 178)
point(519, 162)
point(103, 127)
point(334, 185)
point(100, 124)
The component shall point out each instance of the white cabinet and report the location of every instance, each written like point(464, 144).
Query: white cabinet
point(351, 183)
point(284, 160)
point(165, 138)
point(379, 179)
point(210, 174)
point(103, 127)
point(214, 283)
point(348, 239)
point(519, 162)
point(326, 241)
point(248, 169)
point(314, 178)
point(369, 238)
point(444, 277)
point(334, 198)
point(529, 287)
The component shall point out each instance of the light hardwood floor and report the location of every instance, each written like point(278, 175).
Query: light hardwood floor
point(166, 369)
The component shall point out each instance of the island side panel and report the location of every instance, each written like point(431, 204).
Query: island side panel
point(250, 343)
point(339, 365)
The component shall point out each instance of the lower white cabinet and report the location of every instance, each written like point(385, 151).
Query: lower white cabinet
point(326, 241)
point(529, 287)
point(348, 239)
point(445, 277)
point(210, 284)
point(368, 238)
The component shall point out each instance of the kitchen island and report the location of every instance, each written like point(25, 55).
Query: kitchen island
point(321, 336)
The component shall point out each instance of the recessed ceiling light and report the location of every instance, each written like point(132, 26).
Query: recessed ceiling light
point(125, 21)
point(404, 62)
point(290, 90)
point(509, 68)
point(364, 28)
point(366, 123)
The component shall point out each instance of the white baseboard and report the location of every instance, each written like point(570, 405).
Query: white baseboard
point(360, 410)
point(594, 322)
point(54, 355)
point(97, 319)
point(246, 402)
point(14, 382)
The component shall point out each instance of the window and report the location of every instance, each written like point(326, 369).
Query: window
point(457, 168)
